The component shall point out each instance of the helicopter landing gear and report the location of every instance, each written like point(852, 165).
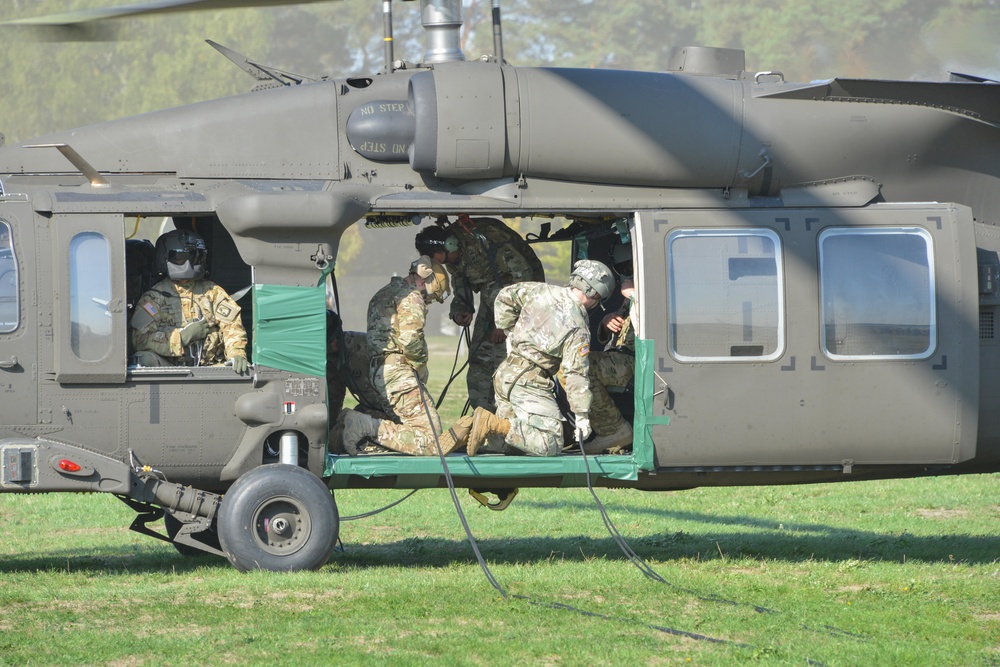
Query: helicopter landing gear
point(278, 517)
point(175, 526)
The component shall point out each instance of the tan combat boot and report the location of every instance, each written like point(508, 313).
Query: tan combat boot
point(456, 437)
point(484, 423)
point(357, 427)
point(621, 438)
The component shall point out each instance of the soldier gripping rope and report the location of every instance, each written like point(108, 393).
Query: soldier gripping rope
point(398, 349)
point(613, 366)
point(483, 255)
point(547, 329)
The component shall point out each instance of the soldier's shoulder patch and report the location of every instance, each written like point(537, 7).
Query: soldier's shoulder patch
point(142, 319)
point(584, 350)
point(150, 308)
point(227, 310)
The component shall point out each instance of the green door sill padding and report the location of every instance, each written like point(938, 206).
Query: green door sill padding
point(570, 466)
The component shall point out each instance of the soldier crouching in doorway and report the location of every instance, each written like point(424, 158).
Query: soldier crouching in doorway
point(398, 349)
point(547, 329)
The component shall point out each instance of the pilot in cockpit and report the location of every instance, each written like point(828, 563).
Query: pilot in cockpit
point(185, 319)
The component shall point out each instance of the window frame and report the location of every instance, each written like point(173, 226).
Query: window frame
point(779, 286)
point(898, 230)
point(83, 272)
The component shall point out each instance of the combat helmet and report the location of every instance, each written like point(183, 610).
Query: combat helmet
point(436, 282)
point(182, 255)
point(593, 278)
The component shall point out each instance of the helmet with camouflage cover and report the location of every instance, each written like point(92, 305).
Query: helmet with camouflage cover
point(436, 282)
point(592, 278)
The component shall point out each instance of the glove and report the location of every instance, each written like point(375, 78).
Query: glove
point(583, 429)
point(195, 331)
point(240, 365)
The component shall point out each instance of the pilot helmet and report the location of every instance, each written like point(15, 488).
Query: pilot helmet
point(436, 282)
point(434, 239)
point(182, 255)
point(621, 259)
point(593, 278)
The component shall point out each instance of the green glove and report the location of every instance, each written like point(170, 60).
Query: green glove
point(195, 331)
point(240, 365)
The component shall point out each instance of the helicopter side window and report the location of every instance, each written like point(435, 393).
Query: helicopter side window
point(726, 294)
point(9, 296)
point(90, 294)
point(877, 293)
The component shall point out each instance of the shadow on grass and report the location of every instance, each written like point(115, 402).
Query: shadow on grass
point(766, 540)
point(123, 559)
point(835, 545)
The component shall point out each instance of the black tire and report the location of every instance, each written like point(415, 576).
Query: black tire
point(173, 526)
point(279, 518)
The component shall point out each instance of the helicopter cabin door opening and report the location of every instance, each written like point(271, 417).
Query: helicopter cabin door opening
point(810, 337)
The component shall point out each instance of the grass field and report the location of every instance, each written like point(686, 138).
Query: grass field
point(876, 573)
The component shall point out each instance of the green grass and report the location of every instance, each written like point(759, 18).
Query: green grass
point(876, 573)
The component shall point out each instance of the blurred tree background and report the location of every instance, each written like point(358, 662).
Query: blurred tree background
point(163, 61)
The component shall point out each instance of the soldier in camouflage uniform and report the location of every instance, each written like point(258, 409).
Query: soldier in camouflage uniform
point(348, 367)
point(398, 349)
point(547, 329)
point(483, 255)
point(185, 320)
point(615, 365)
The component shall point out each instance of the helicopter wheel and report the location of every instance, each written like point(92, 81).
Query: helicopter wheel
point(173, 526)
point(278, 517)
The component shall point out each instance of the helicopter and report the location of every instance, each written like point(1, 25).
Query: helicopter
point(816, 266)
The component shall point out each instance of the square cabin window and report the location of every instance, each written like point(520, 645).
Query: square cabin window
point(877, 293)
point(726, 288)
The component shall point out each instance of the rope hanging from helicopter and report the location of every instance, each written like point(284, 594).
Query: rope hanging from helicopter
point(425, 396)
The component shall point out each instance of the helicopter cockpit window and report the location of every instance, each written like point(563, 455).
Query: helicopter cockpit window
point(877, 291)
point(9, 306)
point(89, 295)
point(726, 294)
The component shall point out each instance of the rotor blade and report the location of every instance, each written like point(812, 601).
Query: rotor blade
point(138, 9)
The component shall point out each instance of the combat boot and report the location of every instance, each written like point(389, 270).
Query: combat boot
point(357, 427)
point(457, 436)
point(620, 439)
point(484, 423)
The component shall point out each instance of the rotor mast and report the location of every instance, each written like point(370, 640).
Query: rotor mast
point(442, 21)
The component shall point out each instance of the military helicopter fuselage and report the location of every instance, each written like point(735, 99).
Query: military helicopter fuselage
point(816, 269)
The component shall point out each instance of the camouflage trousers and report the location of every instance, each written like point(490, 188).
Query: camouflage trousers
point(611, 368)
point(485, 357)
point(524, 395)
point(415, 419)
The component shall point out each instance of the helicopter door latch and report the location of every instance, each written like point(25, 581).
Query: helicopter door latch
point(668, 393)
point(763, 155)
point(10, 363)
